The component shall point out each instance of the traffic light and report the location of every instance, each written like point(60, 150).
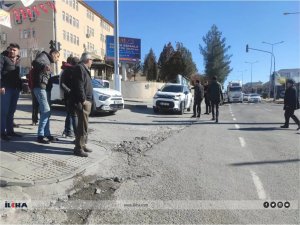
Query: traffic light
point(247, 48)
point(52, 44)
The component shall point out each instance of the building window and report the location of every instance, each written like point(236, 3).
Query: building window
point(67, 36)
point(70, 3)
point(64, 16)
point(64, 34)
point(71, 19)
point(71, 38)
point(67, 18)
point(74, 22)
point(33, 32)
point(65, 53)
point(77, 5)
point(23, 53)
point(77, 40)
point(26, 34)
point(73, 4)
point(20, 20)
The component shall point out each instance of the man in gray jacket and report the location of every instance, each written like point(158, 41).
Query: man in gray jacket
point(41, 75)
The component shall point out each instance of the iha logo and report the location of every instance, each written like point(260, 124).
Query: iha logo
point(15, 205)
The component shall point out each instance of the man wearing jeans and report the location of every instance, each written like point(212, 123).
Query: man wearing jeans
point(82, 98)
point(41, 76)
point(11, 85)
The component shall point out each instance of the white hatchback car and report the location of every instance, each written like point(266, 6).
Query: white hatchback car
point(254, 98)
point(175, 97)
point(106, 99)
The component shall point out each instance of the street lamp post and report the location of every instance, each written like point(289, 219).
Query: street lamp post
point(272, 44)
point(242, 71)
point(251, 63)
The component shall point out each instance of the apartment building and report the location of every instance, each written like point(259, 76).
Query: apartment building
point(74, 24)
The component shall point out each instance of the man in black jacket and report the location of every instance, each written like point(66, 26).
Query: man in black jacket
point(206, 99)
point(41, 76)
point(11, 85)
point(291, 103)
point(198, 97)
point(216, 96)
point(82, 98)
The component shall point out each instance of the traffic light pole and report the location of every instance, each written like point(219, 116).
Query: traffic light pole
point(271, 53)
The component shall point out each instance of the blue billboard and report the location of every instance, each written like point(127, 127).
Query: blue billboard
point(129, 49)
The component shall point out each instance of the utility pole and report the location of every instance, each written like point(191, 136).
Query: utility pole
point(251, 63)
point(272, 44)
point(116, 40)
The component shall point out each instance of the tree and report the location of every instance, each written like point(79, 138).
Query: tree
point(216, 61)
point(150, 66)
point(165, 55)
point(174, 66)
point(189, 67)
point(134, 69)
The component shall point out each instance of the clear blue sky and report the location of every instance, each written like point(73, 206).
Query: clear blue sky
point(241, 22)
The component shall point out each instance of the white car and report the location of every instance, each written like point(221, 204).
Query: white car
point(105, 99)
point(175, 97)
point(254, 98)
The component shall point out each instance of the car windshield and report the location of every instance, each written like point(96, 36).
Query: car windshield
point(254, 95)
point(97, 84)
point(172, 88)
point(235, 89)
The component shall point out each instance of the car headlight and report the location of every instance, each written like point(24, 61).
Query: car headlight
point(155, 96)
point(103, 97)
point(176, 97)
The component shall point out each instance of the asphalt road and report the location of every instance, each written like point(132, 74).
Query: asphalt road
point(216, 173)
point(174, 169)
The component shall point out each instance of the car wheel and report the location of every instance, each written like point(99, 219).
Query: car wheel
point(155, 110)
point(181, 112)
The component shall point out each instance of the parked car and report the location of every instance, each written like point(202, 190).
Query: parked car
point(254, 98)
point(173, 97)
point(105, 99)
point(246, 97)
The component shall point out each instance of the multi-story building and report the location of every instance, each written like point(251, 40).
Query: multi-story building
point(74, 24)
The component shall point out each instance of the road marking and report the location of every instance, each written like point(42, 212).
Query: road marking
point(259, 186)
point(232, 114)
point(237, 126)
point(234, 119)
point(242, 142)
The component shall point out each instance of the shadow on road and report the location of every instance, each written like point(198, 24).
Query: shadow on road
point(265, 162)
point(28, 144)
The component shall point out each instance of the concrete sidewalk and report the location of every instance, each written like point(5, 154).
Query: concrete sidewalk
point(24, 162)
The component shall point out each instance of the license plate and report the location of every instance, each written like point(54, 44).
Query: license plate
point(164, 103)
point(118, 102)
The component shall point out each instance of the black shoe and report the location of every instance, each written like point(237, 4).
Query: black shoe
point(52, 139)
point(284, 126)
point(87, 149)
point(217, 121)
point(213, 118)
point(5, 137)
point(42, 140)
point(80, 152)
point(193, 116)
point(206, 113)
point(198, 116)
point(13, 134)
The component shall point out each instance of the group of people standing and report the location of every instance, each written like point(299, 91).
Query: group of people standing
point(212, 93)
point(75, 82)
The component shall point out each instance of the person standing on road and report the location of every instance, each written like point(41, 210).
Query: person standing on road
point(216, 96)
point(198, 97)
point(291, 103)
point(66, 85)
point(11, 85)
point(41, 74)
point(82, 98)
point(206, 99)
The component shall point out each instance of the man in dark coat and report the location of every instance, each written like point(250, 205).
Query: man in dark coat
point(291, 103)
point(66, 85)
point(82, 98)
point(216, 96)
point(198, 97)
point(206, 99)
point(11, 85)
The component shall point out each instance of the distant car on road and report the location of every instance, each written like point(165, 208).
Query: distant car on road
point(255, 98)
point(246, 97)
point(173, 97)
